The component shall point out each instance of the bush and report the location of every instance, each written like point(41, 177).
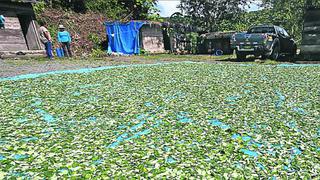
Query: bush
point(95, 39)
point(39, 7)
point(109, 7)
point(98, 53)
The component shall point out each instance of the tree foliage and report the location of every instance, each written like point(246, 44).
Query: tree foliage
point(133, 9)
point(208, 14)
point(288, 14)
point(229, 16)
point(179, 18)
point(139, 9)
point(222, 15)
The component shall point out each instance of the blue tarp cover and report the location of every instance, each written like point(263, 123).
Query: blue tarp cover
point(123, 37)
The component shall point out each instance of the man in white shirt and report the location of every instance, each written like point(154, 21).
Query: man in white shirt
point(45, 38)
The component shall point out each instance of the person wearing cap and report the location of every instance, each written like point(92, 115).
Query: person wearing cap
point(45, 38)
point(64, 39)
point(2, 22)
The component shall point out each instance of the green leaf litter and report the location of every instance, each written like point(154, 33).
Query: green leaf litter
point(174, 120)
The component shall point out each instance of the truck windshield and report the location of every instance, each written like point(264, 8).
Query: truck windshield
point(262, 30)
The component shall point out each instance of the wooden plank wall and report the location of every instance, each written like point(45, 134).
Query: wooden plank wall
point(11, 38)
point(152, 38)
point(310, 44)
point(30, 30)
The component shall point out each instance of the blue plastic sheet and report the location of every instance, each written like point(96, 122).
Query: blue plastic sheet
point(124, 37)
point(183, 117)
point(249, 153)
point(261, 166)
point(45, 115)
point(28, 139)
point(281, 99)
point(98, 162)
point(20, 156)
point(22, 120)
point(170, 160)
point(216, 122)
point(64, 171)
point(92, 119)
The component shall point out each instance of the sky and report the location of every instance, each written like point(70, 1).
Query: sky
point(168, 7)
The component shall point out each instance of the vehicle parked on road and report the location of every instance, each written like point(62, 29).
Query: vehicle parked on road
point(267, 41)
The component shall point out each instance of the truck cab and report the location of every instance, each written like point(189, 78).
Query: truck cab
point(267, 41)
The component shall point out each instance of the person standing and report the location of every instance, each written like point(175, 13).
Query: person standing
point(45, 38)
point(64, 39)
point(2, 22)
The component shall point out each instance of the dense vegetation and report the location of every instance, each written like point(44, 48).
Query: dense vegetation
point(229, 16)
point(113, 9)
point(209, 14)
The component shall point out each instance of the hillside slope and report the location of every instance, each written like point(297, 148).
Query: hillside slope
point(87, 30)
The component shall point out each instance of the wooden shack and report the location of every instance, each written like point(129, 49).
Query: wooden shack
point(210, 43)
point(180, 38)
point(310, 45)
point(151, 37)
point(20, 33)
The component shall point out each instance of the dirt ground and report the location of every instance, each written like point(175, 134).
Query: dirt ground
point(13, 67)
point(18, 67)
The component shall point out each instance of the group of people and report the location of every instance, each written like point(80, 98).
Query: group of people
point(63, 36)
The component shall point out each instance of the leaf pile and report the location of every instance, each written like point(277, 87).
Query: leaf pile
point(174, 120)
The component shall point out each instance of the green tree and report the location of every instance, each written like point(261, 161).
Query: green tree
point(179, 18)
point(286, 13)
point(208, 14)
point(290, 13)
point(111, 8)
point(139, 9)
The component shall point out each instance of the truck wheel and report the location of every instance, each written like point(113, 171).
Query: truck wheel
point(275, 52)
point(241, 56)
point(264, 57)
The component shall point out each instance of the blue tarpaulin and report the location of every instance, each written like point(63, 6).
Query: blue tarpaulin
point(124, 37)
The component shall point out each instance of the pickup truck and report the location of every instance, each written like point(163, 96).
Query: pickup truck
point(267, 41)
